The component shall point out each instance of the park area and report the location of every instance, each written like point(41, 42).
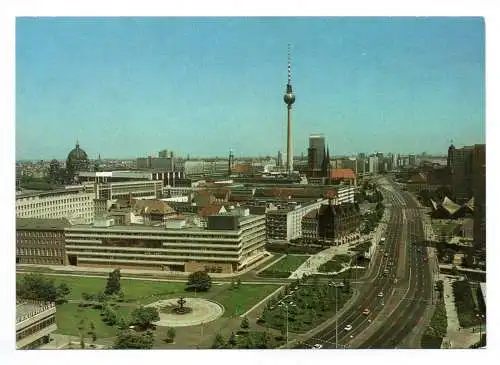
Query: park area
point(305, 303)
point(77, 310)
point(284, 267)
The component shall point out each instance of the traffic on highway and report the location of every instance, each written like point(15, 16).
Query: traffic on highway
point(399, 275)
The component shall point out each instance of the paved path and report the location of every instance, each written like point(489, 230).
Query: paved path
point(314, 262)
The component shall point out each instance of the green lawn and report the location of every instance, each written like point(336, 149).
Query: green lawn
point(239, 300)
point(69, 315)
point(284, 267)
point(235, 301)
point(289, 263)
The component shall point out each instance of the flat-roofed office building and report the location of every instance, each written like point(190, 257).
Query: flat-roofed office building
point(76, 203)
point(229, 243)
point(142, 189)
point(35, 321)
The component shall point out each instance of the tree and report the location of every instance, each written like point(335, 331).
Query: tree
point(36, 287)
point(244, 323)
point(238, 283)
point(232, 339)
point(109, 316)
point(171, 334)
point(61, 292)
point(219, 342)
point(233, 284)
point(199, 281)
point(113, 283)
point(144, 316)
point(132, 340)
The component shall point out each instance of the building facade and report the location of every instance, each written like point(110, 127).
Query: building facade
point(40, 241)
point(228, 244)
point(35, 321)
point(143, 189)
point(479, 191)
point(332, 224)
point(285, 224)
point(76, 204)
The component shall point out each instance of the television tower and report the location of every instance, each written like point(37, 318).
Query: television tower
point(289, 99)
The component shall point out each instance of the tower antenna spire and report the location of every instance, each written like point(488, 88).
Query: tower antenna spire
point(289, 99)
point(289, 65)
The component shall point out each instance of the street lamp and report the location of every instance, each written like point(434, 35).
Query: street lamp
point(336, 285)
point(291, 304)
point(481, 319)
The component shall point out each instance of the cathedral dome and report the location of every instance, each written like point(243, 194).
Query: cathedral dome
point(77, 160)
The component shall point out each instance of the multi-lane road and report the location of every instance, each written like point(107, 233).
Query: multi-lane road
point(399, 267)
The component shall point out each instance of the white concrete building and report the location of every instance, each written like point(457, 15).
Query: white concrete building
point(74, 203)
point(229, 243)
point(286, 224)
point(143, 189)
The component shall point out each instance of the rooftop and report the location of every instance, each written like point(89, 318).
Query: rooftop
point(28, 308)
point(41, 223)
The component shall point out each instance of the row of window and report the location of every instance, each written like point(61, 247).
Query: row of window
point(36, 327)
point(36, 234)
point(48, 203)
point(155, 257)
point(39, 251)
point(39, 260)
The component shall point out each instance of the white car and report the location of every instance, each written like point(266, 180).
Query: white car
point(318, 346)
point(348, 327)
point(380, 295)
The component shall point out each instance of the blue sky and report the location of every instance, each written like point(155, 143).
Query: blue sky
point(128, 87)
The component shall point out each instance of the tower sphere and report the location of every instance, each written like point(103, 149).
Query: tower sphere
point(289, 98)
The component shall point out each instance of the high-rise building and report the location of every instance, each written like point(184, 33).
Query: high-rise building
point(289, 99)
point(479, 190)
point(316, 150)
point(412, 160)
point(280, 159)
point(373, 164)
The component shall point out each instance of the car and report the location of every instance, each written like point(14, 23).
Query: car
point(366, 312)
point(386, 272)
point(425, 259)
point(380, 295)
point(348, 327)
point(386, 254)
point(318, 346)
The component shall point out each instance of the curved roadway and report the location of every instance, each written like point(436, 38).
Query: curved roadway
point(408, 282)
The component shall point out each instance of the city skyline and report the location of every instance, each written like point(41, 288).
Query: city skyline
point(124, 89)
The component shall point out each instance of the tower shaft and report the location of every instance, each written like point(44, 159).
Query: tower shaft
point(289, 153)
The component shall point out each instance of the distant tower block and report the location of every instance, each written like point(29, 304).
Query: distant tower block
point(289, 99)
